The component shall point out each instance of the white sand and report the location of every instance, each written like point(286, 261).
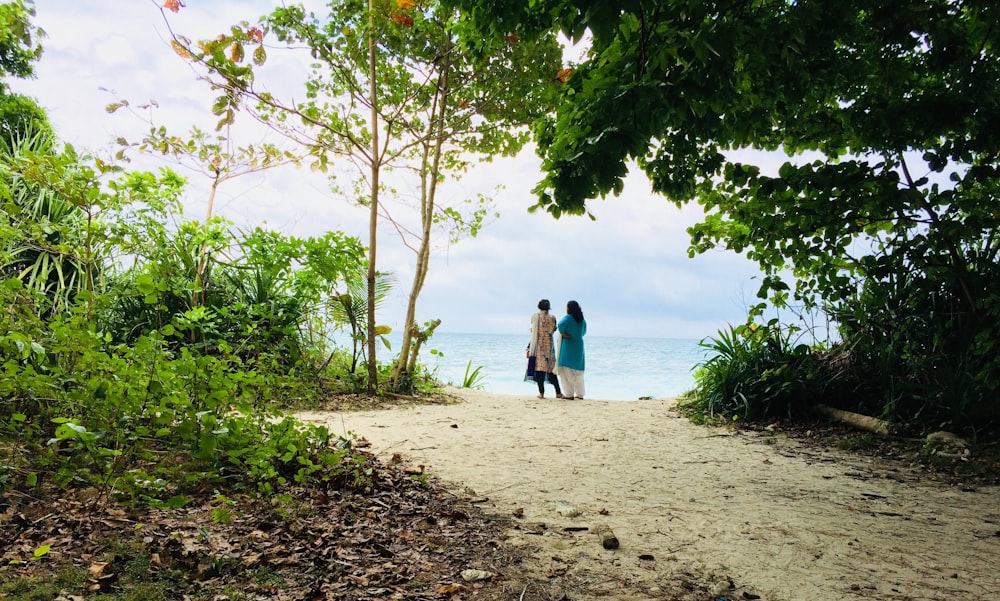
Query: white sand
point(784, 521)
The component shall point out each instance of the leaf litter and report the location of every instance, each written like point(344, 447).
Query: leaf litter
point(404, 537)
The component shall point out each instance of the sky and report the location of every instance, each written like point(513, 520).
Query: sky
point(628, 269)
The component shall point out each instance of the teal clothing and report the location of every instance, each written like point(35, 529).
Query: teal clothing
point(571, 349)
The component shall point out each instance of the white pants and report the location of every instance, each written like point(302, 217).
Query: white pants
point(572, 382)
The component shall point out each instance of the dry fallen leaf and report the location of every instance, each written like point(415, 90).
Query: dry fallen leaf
point(473, 575)
point(96, 569)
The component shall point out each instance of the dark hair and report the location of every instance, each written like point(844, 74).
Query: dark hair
point(573, 308)
point(544, 304)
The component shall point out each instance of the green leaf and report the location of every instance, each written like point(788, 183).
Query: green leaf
point(221, 515)
point(259, 56)
point(176, 502)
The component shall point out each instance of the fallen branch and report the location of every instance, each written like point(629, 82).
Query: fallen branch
point(864, 422)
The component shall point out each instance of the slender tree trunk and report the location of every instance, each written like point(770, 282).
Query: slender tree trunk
point(88, 263)
point(373, 215)
point(199, 288)
point(429, 180)
point(399, 378)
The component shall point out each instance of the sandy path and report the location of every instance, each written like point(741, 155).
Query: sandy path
point(781, 522)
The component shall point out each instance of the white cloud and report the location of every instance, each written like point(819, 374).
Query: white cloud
point(628, 269)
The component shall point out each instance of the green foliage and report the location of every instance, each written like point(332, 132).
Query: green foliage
point(863, 441)
point(31, 589)
point(473, 378)
point(756, 372)
point(212, 154)
point(20, 116)
point(47, 244)
point(919, 355)
point(126, 384)
point(348, 307)
point(19, 40)
point(424, 381)
point(150, 423)
point(263, 301)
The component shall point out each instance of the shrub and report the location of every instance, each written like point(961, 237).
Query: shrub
point(756, 372)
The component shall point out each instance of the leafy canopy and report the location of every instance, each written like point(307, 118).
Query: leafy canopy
point(886, 216)
point(898, 102)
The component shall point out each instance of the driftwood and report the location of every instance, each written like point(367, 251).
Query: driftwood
point(864, 422)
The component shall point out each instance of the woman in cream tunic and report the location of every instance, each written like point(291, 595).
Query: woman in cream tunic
point(541, 348)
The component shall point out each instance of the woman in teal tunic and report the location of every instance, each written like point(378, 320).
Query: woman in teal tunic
point(572, 329)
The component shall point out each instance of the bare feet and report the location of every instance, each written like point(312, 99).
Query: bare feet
point(579, 398)
point(541, 396)
point(562, 396)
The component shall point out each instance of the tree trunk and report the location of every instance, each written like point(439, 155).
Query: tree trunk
point(199, 285)
point(429, 180)
point(373, 214)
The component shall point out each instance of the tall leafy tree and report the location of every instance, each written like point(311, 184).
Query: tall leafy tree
point(890, 222)
point(20, 116)
point(19, 47)
point(392, 92)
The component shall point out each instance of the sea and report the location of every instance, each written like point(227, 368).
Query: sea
point(617, 369)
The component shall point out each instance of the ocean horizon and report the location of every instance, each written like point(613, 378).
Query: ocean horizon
point(617, 369)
